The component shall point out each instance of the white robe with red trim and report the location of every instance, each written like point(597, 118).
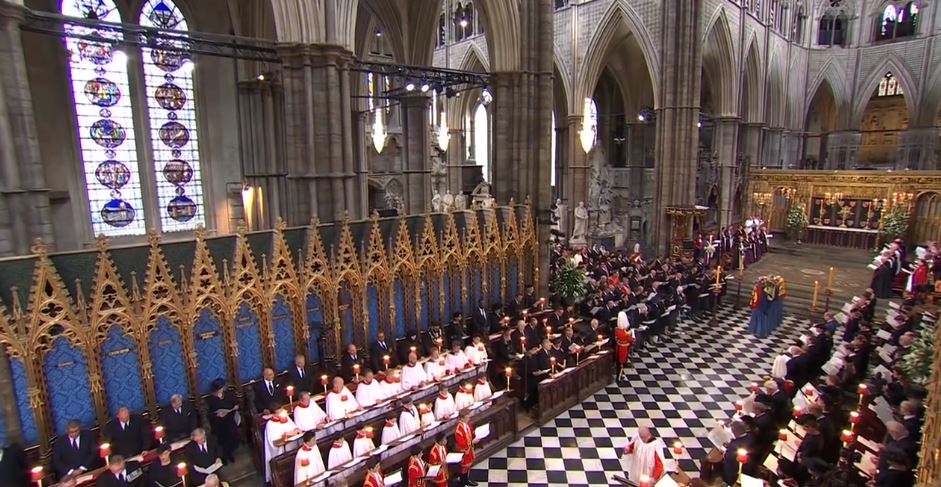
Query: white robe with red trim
point(644, 459)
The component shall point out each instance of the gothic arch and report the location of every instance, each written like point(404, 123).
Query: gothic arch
point(619, 19)
point(718, 65)
point(502, 26)
point(253, 18)
point(373, 19)
point(458, 107)
point(474, 59)
point(871, 81)
point(777, 93)
point(832, 74)
point(752, 93)
point(302, 21)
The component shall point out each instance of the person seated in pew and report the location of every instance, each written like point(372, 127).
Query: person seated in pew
point(909, 411)
point(503, 351)
point(76, 451)
point(899, 438)
point(369, 390)
point(766, 429)
point(426, 415)
point(897, 472)
point(411, 344)
point(278, 428)
point(476, 351)
point(435, 366)
point(829, 434)
point(378, 351)
point(444, 403)
point(363, 443)
point(178, 419)
point(374, 476)
point(121, 473)
point(350, 359)
point(203, 456)
point(224, 418)
point(524, 338)
point(307, 413)
point(811, 448)
point(13, 471)
point(308, 462)
point(457, 331)
point(128, 434)
point(390, 431)
point(497, 321)
point(743, 441)
point(392, 385)
point(413, 374)
point(340, 402)
point(409, 418)
point(163, 472)
point(339, 453)
point(213, 480)
point(777, 400)
point(464, 397)
point(482, 391)
point(456, 361)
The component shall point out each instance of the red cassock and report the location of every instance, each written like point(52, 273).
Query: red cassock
point(438, 456)
point(374, 479)
point(416, 472)
point(624, 339)
point(464, 438)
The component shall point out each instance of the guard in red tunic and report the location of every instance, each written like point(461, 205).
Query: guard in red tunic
point(464, 439)
point(624, 338)
point(374, 477)
point(438, 456)
point(416, 469)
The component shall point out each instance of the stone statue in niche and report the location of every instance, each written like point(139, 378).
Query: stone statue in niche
point(460, 202)
point(439, 171)
point(601, 197)
point(580, 229)
point(558, 227)
point(481, 195)
point(436, 201)
point(447, 202)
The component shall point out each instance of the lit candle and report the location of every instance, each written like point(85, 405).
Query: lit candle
point(439, 342)
point(104, 451)
point(854, 417)
point(323, 382)
point(578, 351)
point(181, 469)
point(645, 481)
point(863, 390)
point(782, 434)
point(797, 412)
point(847, 437)
point(509, 373)
point(830, 279)
point(290, 391)
point(809, 393)
point(816, 291)
point(552, 362)
point(548, 331)
point(522, 344)
point(412, 348)
point(356, 371)
point(754, 387)
point(742, 456)
point(159, 433)
point(36, 474)
point(739, 406)
point(600, 339)
point(677, 448)
point(385, 361)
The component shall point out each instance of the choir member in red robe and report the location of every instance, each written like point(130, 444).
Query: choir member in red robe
point(438, 456)
point(464, 439)
point(416, 469)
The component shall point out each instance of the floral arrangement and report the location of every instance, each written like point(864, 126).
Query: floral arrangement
point(569, 282)
point(895, 222)
point(917, 362)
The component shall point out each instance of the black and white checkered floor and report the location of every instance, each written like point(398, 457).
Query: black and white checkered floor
point(681, 387)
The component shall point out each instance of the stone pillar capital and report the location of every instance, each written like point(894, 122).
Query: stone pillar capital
point(14, 10)
point(314, 55)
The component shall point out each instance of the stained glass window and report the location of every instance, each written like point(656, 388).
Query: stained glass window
point(889, 86)
point(171, 104)
point(104, 117)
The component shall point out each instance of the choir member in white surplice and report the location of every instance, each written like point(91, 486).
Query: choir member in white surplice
point(413, 375)
point(644, 456)
point(476, 352)
point(482, 390)
point(392, 384)
point(456, 360)
point(340, 401)
point(427, 417)
point(464, 397)
point(369, 391)
point(434, 366)
point(339, 454)
point(779, 367)
point(444, 403)
point(277, 429)
point(308, 463)
point(390, 431)
point(363, 443)
point(409, 420)
point(307, 413)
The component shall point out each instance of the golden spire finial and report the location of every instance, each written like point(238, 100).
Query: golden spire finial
point(153, 238)
point(280, 224)
point(39, 248)
point(200, 232)
point(101, 243)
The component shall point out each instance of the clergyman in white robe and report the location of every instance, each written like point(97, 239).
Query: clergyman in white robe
point(455, 361)
point(391, 385)
point(308, 453)
point(307, 414)
point(390, 431)
point(482, 390)
point(409, 420)
point(464, 397)
point(644, 456)
point(427, 417)
point(363, 443)
point(369, 391)
point(476, 353)
point(339, 454)
point(434, 366)
point(444, 404)
point(340, 401)
point(413, 375)
point(275, 429)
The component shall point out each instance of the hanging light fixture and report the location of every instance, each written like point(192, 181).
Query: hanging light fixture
point(378, 132)
point(587, 133)
point(443, 136)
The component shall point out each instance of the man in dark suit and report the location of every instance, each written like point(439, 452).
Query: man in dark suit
point(12, 467)
point(121, 474)
point(300, 375)
point(268, 391)
point(350, 358)
point(743, 441)
point(503, 349)
point(178, 419)
point(128, 434)
point(481, 317)
point(203, 455)
point(75, 451)
point(379, 349)
point(516, 306)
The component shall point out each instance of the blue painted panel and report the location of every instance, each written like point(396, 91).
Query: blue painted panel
point(398, 294)
point(495, 283)
point(512, 279)
point(166, 353)
point(477, 280)
point(465, 284)
point(21, 390)
point(248, 339)
point(67, 385)
point(210, 351)
point(283, 321)
point(346, 318)
point(423, 318)
point(448, 309)
point(372, 307)
point(120, 367)
point(315, 324)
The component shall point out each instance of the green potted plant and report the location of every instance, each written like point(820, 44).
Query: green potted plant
point(796, 221)
point(569, 283)
point(894, 223)
point(917, 362)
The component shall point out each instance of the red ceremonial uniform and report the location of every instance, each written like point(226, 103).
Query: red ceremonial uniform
point(438, 456)
point(624, 339)
point(464, 438)
point(374, 479)
point(416, 472)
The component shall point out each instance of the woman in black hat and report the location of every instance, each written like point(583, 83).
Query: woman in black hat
point(224, 418)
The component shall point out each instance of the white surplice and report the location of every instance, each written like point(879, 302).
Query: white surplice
point(391, 389)
point(644, 459)
point(340, 404)
point(427, 417)
point(482, 390)
point(476, 354)
point(390, 432)
point(463, 399)
point(413, 376)
point(409, 421)
point(309, 417)
point(455, 361)
point(444, 406)
point(369, 394)
point(362, 445)
point(434, 369)
point(779, 368)
point(274, 430)
point(339, 454)
point(314, 466)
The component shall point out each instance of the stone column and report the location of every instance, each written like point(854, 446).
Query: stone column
point(637, 134)
point(579, 168)
point(771, 148)
point(261, 122)
point(24, 197)
point(792, 143)
point(455, 159)
point(725, 138)
point(678, 113)
point(416, 153)
point(918, 149)
point(318, 133)
point(842, 149)
point(751, 146)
